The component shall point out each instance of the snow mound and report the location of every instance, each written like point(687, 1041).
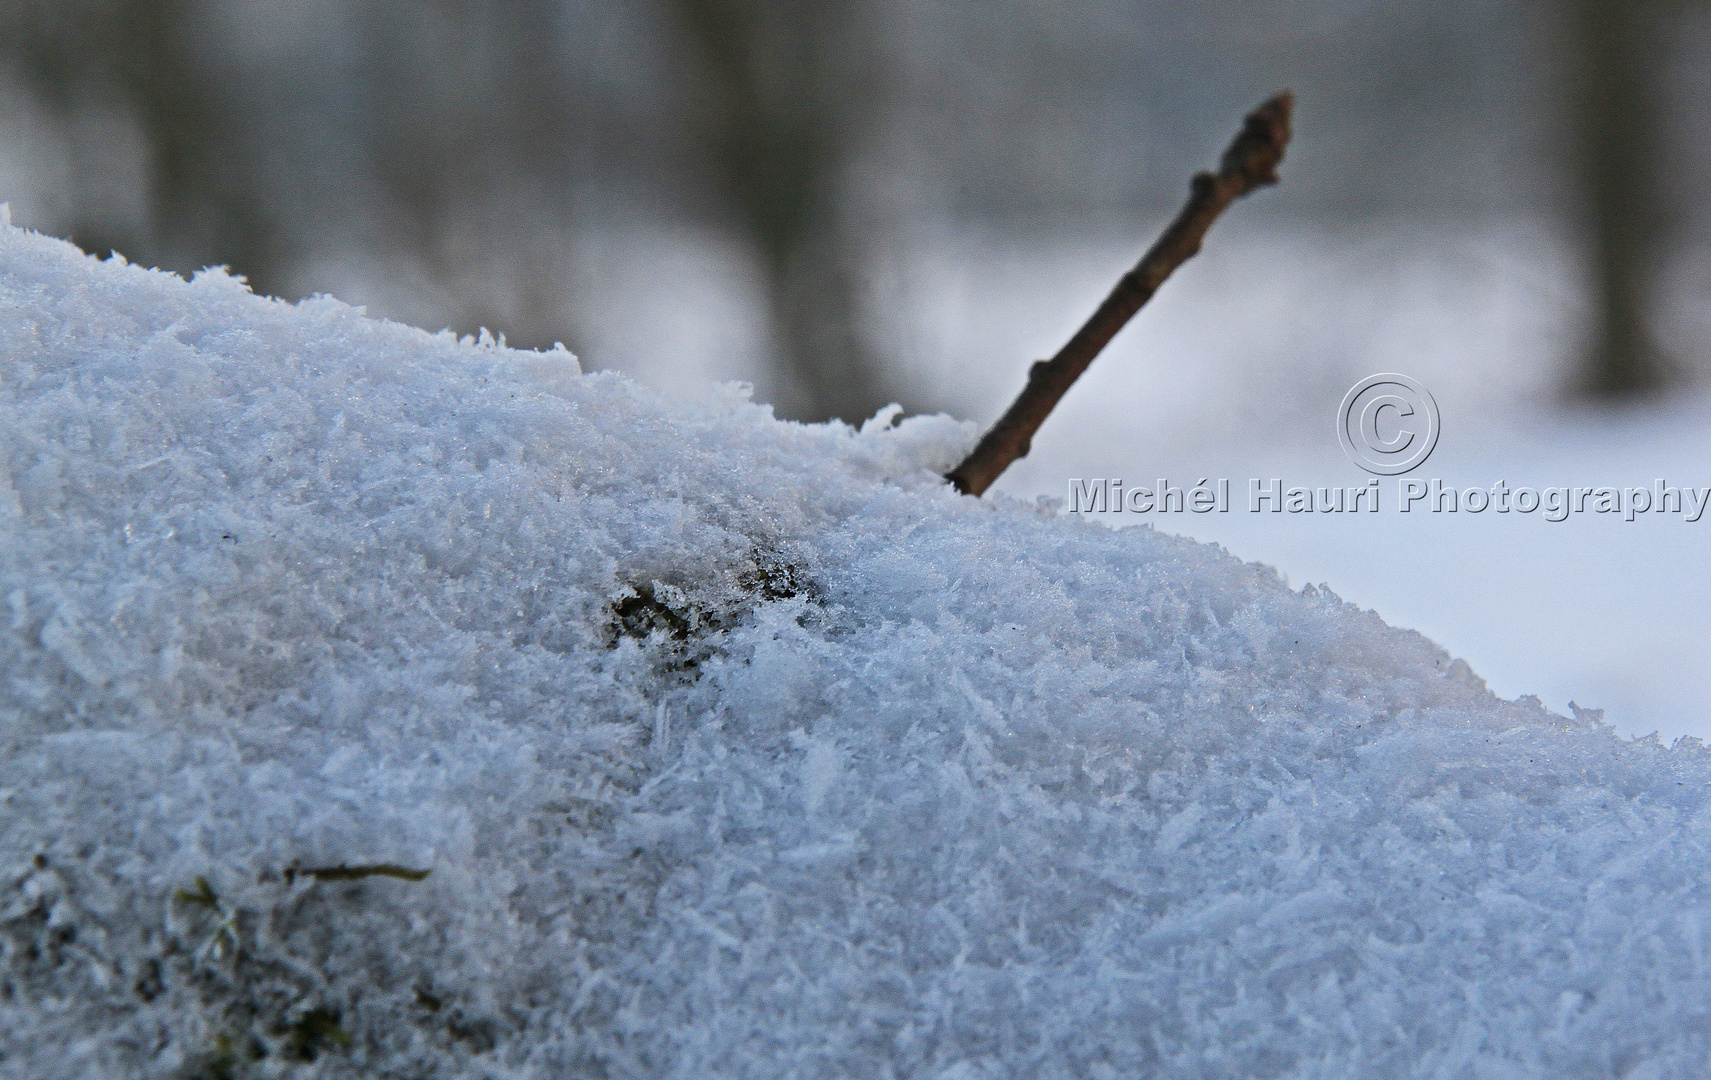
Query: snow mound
point(733, 747)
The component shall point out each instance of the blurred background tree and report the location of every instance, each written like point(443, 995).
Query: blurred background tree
point(532, 165)
point(1621, 139)
point(789, 90)
point(134, 71)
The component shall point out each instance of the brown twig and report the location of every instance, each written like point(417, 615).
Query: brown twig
point(342, 872)
point(1250, 162)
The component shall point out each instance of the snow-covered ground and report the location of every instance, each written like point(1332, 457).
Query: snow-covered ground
point(379, 704)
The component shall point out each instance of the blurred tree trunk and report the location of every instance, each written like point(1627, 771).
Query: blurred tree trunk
point(784, 120)
point(1614, 52)
point(468, 136)
point(206, 206)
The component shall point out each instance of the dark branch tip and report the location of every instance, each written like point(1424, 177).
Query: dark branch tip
point(1253, 157)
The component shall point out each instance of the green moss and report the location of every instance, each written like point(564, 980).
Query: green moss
point(314, 1031)
point(202, 896)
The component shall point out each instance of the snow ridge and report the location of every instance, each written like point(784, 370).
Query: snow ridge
point(733, 748)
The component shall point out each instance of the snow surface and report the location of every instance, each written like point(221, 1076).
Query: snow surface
point(733, 748)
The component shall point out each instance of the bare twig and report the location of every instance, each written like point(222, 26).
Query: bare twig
point(342, 872)
point(1250, 162)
